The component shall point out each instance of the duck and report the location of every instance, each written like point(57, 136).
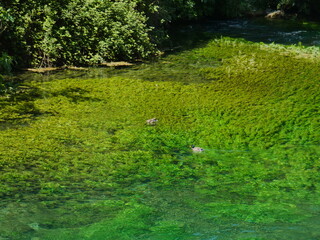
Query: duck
point(196, 149)
point(152, 121)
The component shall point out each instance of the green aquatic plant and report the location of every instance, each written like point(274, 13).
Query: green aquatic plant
point(247, 105)
point(253, 108)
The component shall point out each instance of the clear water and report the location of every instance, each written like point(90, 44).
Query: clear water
point(219, 194)
point(232, 204)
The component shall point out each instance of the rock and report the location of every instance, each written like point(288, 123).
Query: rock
point(276, 14)
point(43, 70)
point(34, 226)
point(196, 149)
point(152, 121)
point(280, 14)
point(51, 69)
point(117, 64)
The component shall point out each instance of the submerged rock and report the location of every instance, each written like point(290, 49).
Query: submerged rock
point(196, 149)
point(34, 226)
point(152, 121)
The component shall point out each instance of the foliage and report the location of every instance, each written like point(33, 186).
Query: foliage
point(5, 68)
point(2, 85)
point(6, 63)
point(80, 32)
point(5, 18)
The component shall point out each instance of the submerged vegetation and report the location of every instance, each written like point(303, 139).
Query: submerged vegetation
point(79, 160)
point(81, 148)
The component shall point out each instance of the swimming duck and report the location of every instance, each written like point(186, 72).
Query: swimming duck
point(152, 121)
point(196, 149)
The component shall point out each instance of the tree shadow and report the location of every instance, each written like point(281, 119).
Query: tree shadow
point(76, 95)
point(18, 107)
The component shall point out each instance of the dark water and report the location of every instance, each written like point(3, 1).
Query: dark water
point(257, 30)
point(270, 31)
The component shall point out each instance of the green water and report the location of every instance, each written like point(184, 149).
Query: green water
point(78, 161)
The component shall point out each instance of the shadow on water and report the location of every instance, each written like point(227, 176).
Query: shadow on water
point(18, 107)
point(75, 95)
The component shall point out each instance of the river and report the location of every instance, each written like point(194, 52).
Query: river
point(79, 161)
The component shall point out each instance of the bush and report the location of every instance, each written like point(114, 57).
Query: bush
point(5, 86)
point(5, 18)
point(79, 32)
point(5, 63)
point(90, 32)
